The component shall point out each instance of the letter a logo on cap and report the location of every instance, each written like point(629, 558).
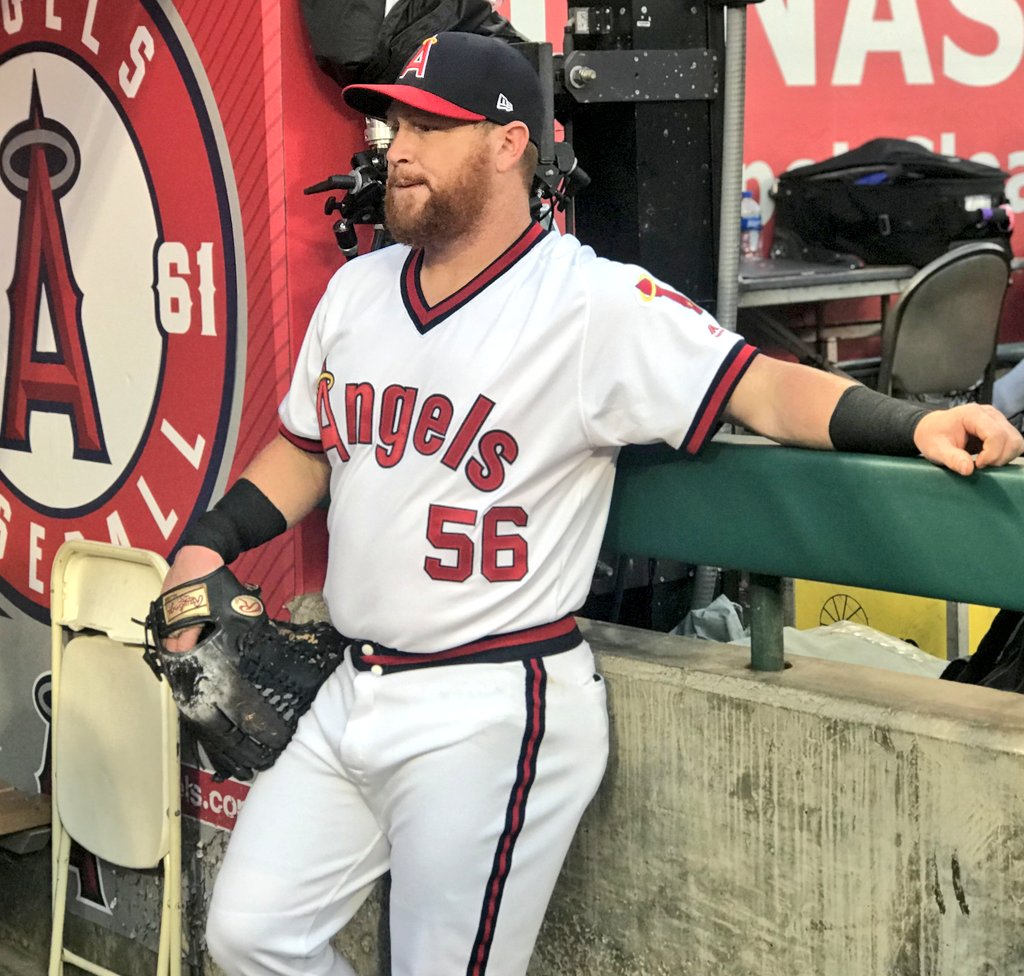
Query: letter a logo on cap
point(418, 62)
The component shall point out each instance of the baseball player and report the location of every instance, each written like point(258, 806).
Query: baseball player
point(462, 396)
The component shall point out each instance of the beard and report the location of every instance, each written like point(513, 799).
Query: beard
point(448, 213)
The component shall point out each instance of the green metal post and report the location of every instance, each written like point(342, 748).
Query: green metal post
point(767, 616)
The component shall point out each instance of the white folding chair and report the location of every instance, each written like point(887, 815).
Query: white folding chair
point(115, 765)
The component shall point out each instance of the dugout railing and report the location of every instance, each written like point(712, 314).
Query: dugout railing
point(900, 525)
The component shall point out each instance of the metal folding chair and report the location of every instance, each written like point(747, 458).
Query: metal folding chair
point(940, 337)
point(115, 766)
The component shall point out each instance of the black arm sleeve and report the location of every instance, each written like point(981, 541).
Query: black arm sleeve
point(243, 519)
point(872, 423)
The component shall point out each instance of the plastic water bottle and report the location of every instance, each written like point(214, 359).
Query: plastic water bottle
point(750, 226)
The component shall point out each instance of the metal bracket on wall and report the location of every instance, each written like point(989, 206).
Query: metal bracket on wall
point(687, 74)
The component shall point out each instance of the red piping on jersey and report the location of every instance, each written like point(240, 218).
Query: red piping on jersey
point(304, 444)
point(524, 639)
point(426, 317)
point(515, 813)
point(717, 396)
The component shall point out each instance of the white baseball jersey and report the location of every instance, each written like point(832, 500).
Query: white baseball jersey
point(473, 443)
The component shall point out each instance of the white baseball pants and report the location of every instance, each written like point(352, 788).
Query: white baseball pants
point(466, 781)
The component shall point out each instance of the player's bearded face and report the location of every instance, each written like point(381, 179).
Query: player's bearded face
point(425, 209)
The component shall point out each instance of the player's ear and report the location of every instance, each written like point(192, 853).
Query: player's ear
point(514, 138)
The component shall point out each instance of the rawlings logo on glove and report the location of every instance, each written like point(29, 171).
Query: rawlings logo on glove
point(244, 686)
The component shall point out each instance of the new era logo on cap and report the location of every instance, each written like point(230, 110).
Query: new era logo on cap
point(461, 76)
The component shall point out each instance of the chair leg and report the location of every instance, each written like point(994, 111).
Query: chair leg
point(162, 955)
point(987, 383)
point(172, 860)
point(61, 861)
point(172, 884)
point(169, 956)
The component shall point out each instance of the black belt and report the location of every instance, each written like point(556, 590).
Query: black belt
point(520, 645)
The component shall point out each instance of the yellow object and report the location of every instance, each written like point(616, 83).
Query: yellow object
point(114, 747)
point(979, 619)
point(916, 619)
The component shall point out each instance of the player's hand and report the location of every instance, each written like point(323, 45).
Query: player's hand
point(952, 438)
point(190, 563)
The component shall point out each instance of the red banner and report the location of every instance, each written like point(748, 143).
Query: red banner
point(204, 799)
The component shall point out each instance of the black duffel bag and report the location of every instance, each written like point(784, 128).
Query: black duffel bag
point(890, 201)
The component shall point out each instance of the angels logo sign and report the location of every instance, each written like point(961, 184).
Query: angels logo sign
point(120, 251)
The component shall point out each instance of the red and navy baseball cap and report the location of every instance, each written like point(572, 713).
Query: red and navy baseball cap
point(461, 76)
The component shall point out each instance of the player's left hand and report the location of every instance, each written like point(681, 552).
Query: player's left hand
point(952, 438)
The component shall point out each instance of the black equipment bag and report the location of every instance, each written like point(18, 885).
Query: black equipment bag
point(999, 660)
point(890, 201)
point(354, 43)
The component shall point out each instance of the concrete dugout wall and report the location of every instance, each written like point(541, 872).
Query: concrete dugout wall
point(831, 819)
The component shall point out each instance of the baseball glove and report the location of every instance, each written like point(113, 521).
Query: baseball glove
point(244, 686)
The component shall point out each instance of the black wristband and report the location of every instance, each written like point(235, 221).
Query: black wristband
point(873, 423)
point(243, 519)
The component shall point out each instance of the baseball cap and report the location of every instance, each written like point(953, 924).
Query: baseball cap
point(461, 76)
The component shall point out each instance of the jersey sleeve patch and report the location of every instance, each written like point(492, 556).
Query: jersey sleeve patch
point(729, 374)
point(303, 443)
point(647, 289)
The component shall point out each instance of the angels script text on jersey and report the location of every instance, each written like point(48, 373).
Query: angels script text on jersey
point(398, 424)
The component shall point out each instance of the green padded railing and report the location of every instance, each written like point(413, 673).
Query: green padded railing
point(895, 524)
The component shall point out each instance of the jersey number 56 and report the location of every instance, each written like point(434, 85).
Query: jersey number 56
point(503, 556)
